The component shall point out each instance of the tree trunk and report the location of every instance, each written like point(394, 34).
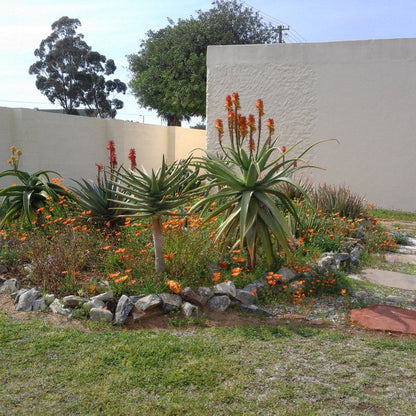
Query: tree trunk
point(160, 265)
point(173, 121)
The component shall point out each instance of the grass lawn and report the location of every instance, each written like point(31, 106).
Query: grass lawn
point(292, 370)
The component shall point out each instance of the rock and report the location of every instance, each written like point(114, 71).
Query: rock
point(9, 286)
point(257, 285)
point(39, 304)
point(411, 241)
point(3, 269)
point(96, 303)
point(245, 297)
point(341, 259)
point(189, 295)
point(49, 299)
point(66, 312)
point(189, 309)
point(105, 297)
point(287, 273)
point(148, 302)
point(16, 295)
point(356, 253)
point(170, 301)
point(139, 315)
point(124, 307)
point(326, 261)
point(99, 314)
point(206, 293)
point(72, 301)
point(135, 298)
point(406, 250)
point(56, 306)
point(219, 303)
point(27, 299)
point(225, 288)
point(29, 268)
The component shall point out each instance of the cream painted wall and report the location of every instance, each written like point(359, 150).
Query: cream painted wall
point(72, 145)
point(362, 93)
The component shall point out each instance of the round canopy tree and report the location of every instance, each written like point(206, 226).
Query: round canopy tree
point(169, 71)
point(70, 73)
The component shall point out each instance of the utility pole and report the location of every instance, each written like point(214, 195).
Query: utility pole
point(280, 30)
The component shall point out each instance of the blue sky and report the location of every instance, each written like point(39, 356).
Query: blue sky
point(115, 29)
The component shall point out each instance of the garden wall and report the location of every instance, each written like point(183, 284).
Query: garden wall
point(72, 145)
point(362, 93)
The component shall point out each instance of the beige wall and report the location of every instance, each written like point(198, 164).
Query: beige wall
point(72, 145)
point(362, 93)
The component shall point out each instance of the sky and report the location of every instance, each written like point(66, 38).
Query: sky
point(116, 28)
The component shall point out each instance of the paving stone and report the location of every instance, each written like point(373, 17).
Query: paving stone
point(386, 318)
point(391, 279)
point(27, 299)
point(105, 297)
point(9, 286)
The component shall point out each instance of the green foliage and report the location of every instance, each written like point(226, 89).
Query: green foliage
point(169, 71)
point(21, 201)
point(69, 72)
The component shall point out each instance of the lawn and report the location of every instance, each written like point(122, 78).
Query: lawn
point(283, 370)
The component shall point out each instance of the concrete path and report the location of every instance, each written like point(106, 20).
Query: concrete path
point(390, 279)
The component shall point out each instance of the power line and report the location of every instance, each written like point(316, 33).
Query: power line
point(293, 34)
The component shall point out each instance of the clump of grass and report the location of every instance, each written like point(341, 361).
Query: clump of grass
point(331, 199)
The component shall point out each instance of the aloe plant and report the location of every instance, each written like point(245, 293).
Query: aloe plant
point(156, 194)
point(21, 201)
point(248, 186)
point(100, 199)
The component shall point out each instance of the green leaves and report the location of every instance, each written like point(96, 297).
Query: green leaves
point(169, 72)
point(23, 200)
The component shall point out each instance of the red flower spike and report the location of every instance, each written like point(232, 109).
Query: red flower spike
point(132, 158)
point(236, 99)
point(259, 106)
point(228, 103)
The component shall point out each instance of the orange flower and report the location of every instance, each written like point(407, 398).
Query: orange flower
point(174, 286)
point(238, 259)
point(168, 256)
point(121, 279)
point(106, 248)
point(253, 291)
point(343, 292)
point(216, 277)
point(235, 271)
point(120, 250)
point(113, 275)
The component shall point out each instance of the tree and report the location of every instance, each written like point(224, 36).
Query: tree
point(169, 71)
point(70, 73)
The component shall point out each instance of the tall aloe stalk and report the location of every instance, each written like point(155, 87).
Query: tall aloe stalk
point(156, 194)
point(248, 182)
